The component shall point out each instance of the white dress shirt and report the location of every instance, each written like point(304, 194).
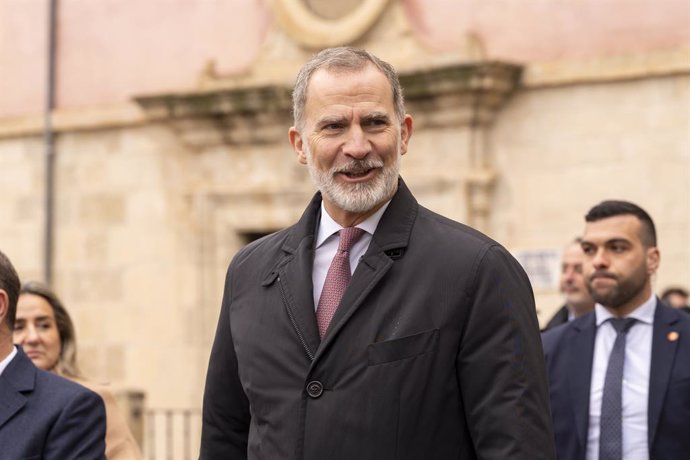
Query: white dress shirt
point(638, 361)
point(8, 359)
point(327, 239)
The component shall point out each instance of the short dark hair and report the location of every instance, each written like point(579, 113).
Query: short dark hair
point(9, 282)
point(611, 208)
point(675, 290)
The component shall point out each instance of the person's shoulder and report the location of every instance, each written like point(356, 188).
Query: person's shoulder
point(59, 386)
point(442, 223)
point(436, 227)
point(559, 318)
point(554, 337)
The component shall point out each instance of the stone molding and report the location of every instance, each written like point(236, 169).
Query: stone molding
point(469, 94)
point(72, 120)
point(454, 95)
point(608, 69)
point(312, 31)
point(233, 116)
point(605, 69)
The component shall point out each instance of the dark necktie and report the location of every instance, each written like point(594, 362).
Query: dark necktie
point(337, 278)
point(610, 424)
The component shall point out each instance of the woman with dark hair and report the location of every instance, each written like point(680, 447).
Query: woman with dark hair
point(44, 330)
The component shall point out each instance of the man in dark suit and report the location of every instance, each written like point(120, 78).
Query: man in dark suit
point(578, 300)
point(41, 415)
point(620, 376)
point(433, 350)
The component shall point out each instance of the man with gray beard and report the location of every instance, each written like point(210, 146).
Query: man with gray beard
point(373, 328)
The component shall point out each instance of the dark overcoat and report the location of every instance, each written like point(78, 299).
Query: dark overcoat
point(44, 416)
point(433, 353)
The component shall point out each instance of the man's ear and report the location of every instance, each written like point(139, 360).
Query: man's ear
point(4, 305)
point(405, 133)
point(653, 260)
point(297, 144)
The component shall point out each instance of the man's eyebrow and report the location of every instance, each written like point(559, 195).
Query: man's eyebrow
point(376, 116)
point(618, 240)
point(330, 119)
point(609, 241)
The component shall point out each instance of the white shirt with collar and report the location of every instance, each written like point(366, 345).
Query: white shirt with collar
point(327, 238)
point(8, 359)
point(638, 361)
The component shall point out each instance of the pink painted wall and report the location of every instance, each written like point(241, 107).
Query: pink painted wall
point(542, 30)
point(110, 50)
point(22, 50)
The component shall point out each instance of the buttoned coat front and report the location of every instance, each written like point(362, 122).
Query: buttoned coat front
point(433, 353)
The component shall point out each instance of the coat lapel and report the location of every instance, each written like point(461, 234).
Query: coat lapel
point(580, 373)
point(18, 377)
point(11, 401)
point(388, 243)
point(663, 355)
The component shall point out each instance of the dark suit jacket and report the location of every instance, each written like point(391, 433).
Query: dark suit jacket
point(560, 317)
point(433, 353)
point(569, 353)
point(43, 416)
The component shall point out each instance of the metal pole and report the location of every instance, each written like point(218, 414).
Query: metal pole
point(49, 140)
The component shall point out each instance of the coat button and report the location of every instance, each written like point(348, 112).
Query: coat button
point(314, 389)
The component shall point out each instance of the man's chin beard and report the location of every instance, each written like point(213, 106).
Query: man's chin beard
point(359, 197)
point(620, 295)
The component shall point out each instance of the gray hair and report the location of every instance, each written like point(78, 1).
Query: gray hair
point(342, 59)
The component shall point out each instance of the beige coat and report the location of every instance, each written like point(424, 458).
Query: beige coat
point(119, 442)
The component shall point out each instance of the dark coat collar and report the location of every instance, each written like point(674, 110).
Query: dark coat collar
point(293, 270)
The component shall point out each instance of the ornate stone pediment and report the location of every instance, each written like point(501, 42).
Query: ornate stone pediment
point(457, 95)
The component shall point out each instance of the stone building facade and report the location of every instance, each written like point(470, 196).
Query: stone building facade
point(171, 145)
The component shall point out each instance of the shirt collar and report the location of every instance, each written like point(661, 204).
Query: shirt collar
point(327, 226)
point(5, 362)
point(644, 313)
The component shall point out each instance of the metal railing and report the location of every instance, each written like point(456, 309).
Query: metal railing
point(172, 434)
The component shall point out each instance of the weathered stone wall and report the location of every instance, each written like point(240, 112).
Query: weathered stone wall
point(561, 150)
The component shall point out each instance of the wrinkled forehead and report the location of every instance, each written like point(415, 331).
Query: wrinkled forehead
point(367, 82)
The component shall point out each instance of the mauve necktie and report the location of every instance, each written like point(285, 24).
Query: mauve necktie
point(337, 278)
point(610, 424)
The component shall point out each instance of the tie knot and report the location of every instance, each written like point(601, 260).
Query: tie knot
point(348, 237)
point(622, 325)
